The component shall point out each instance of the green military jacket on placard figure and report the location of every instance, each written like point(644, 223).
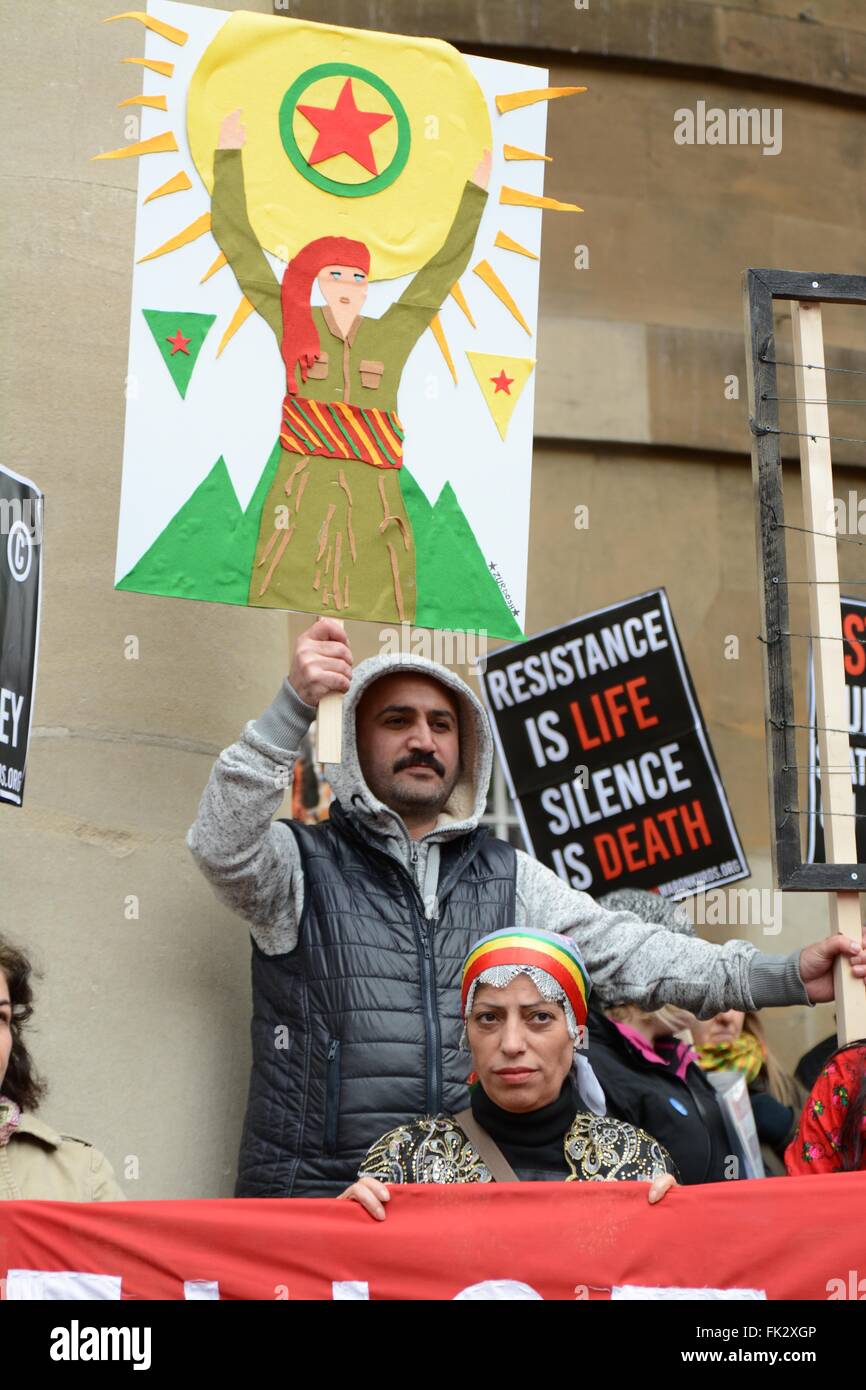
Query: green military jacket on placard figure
point(334, 535)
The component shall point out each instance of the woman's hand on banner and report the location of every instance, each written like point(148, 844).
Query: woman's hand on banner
point(322, 663)
point(816, 964)
point(233, 135)
point(659, 1186)
point(370, 1194)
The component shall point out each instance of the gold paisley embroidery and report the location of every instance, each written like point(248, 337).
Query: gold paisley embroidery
point(606, 1150)
point(429, 1150)
point(435, 1149)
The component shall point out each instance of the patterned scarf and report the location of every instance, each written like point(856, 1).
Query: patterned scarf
point(10, 1118)
point(746, 1054)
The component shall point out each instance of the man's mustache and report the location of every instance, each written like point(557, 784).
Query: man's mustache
point(420, 760)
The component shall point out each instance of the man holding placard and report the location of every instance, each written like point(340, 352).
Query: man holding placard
point(360, 924)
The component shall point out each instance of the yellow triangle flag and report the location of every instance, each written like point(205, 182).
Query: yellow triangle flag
point(502, 380)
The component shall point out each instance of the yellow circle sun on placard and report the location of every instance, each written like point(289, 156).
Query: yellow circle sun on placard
point(411, 124)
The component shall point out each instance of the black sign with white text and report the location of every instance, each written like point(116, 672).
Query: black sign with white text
point(20, 593)
point(854, 649)
point(607, 756)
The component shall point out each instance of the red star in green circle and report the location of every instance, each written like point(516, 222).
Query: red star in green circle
point(502, 383)
point(344, 129)
point(179, 343)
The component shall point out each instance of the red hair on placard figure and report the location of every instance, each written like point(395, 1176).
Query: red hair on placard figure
point(348, 262)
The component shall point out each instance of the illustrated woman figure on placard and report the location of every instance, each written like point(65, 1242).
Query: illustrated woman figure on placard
point(334, 535)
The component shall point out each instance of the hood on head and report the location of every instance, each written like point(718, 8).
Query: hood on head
point(468, 799)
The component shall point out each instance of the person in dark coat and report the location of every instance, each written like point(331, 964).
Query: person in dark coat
point(650, 1077)
point(653, 1081)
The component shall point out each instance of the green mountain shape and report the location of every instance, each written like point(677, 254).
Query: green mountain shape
point(206, 551)
point(454, 585)
point(164, 324)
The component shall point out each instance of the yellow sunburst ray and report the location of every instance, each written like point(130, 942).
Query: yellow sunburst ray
point(157, 144)
point(190, 233)
point(507, 243)
point(164, 69)
point(515, 152)
point(512, 101)
point(240, 316)
point(439, 334)
point(485, 272)
point(218, 264)
point(158, 26)
point(460, 299)
point(516, 198)
point(159, 103)
point(178, 184)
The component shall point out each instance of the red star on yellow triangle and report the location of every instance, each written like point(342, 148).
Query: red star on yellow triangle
point(179, 343)
point(344, 130)
point(502, 383)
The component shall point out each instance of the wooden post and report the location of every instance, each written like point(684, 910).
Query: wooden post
point(837, 796)
point(329, 725)
point(329, 729)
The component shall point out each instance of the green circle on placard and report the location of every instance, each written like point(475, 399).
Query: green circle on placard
point(306, 170)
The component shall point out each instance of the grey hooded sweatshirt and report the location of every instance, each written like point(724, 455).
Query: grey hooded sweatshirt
point(254, 863)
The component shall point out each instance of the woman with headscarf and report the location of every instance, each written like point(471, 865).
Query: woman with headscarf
point(537, 1112)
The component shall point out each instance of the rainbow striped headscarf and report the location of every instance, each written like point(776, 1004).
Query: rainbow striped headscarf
point(556, 955)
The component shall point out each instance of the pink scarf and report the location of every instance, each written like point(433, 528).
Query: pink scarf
point(10, 1119)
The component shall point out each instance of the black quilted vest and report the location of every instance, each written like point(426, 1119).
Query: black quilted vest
point(356, 1030)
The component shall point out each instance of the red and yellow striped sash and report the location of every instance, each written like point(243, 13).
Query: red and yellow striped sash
point(334, 430)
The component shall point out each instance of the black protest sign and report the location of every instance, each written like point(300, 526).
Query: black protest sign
point(20, 595)
point(854, 650)
point(607, 756)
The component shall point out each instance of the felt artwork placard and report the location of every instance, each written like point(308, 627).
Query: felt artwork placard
point(333, 323)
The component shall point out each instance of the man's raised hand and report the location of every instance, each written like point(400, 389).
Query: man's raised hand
point(232, 134)
point(481, 174)
point(322, 663)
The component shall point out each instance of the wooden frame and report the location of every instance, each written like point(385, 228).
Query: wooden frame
point(761, 289)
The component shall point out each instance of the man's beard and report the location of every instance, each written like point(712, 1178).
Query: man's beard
point(430, 794)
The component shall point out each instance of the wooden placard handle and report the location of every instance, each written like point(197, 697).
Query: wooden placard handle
point(329, 729)
point(329, 715)
point(837, 796)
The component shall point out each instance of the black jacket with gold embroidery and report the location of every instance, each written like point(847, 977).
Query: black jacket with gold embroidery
point(435, 1149)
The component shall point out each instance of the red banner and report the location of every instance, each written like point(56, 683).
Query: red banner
point(784, 1238)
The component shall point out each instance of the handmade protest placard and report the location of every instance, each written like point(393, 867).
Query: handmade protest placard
point(854, 661)
point(607, 756)
point(334, 305)
point(21, 503)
